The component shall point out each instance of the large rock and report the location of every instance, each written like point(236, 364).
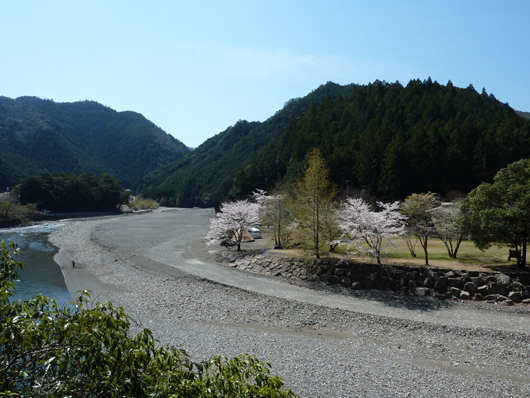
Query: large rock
point(491, 278)
point(441, 285)
point(412, 286)
point(356, 286)
point(497, 288)
point(391, 284)
point(455, 292)
point(346, 282)
point(423, 291)
point(492, 297)
point(333, 280)
point(440, 296)
point(465, 295)
point(257, 268)
point(484, 290)
point(503, 279)
point(471, 288)
point(428, 282)
point(500, 298)
point(368, 283)
point(516, 297)
point(477, 280)
point(456, 282)
point(478, 297)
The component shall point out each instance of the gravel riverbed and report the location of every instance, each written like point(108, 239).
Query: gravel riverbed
point(318, 350)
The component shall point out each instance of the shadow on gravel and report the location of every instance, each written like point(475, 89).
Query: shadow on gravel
point(409, 302)
point(390, 299)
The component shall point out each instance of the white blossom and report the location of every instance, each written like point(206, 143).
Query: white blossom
point(232, 221)
point(273, 211)
point(360, 224)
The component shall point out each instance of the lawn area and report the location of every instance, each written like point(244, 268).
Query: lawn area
point(468, 258)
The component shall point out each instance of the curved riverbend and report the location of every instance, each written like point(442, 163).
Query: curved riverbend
point(159, 269)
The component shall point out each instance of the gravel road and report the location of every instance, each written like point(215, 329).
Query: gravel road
point(323, 343)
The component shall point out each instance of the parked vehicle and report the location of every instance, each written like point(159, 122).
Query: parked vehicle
point(254, 232)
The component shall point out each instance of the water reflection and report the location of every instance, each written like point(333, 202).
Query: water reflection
point(42, 275)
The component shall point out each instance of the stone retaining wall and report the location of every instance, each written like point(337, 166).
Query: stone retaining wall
point(507, 288)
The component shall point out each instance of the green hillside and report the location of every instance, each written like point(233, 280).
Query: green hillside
point(205, 175)
point(14, 168)
point(71, 137)
point(392, 140)
point(388, 139)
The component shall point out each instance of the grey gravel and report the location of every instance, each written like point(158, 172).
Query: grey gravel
point(319, 351)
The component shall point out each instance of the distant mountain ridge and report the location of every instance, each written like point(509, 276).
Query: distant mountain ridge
point(384, 138)
point(41, 135)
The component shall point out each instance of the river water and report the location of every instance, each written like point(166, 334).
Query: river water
point(42, 274)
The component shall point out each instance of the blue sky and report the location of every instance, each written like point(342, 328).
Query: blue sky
point(194, 68)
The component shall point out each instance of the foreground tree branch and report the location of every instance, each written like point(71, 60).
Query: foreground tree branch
point(86, 351)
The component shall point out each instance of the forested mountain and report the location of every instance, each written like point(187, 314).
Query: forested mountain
point(37, 135)
point(205, 175)
point(14, 168)
point(392, 140)
point(388, 139)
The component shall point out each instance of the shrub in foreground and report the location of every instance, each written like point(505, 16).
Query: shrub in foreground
point(86, 351)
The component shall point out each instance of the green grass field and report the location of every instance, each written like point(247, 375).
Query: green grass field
point(468, 257)
point(468, 254)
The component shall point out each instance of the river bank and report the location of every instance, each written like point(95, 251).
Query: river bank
point(41, 274)
point(320, 350)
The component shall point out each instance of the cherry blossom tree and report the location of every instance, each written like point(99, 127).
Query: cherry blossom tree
point(361, 225)
point(232, 221)
point(445, 219)
point(417, 208)
point(273, 211)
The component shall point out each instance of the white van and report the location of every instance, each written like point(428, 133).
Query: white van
point(254, 232)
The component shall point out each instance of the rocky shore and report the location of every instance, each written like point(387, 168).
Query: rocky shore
point(442, 284)
point(320, 351)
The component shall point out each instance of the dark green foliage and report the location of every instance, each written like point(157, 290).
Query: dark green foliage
point(14, 168)
point(382, 138)
point(68, 192)
point(85, 350)
point(392, 140)
point(500, 212)
point(72, 137)
point(206, 175)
